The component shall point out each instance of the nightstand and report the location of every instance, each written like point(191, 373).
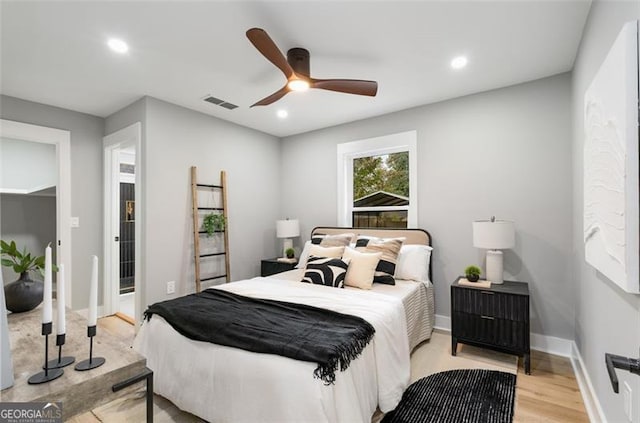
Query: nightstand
point(272, 266)
point(495, 318)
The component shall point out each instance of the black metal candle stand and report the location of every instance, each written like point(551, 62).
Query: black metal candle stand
point(92, 362)
point(61, 361)
point(48, 374)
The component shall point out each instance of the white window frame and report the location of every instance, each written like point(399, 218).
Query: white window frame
point(387, 144)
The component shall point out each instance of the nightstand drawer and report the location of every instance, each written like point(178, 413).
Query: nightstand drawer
point(493, 331)
point(270, 267)
point(481, 302)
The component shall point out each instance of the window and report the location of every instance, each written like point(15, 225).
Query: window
point(377, 182)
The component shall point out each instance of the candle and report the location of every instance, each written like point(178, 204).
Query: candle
point(46, 308)
point(93, 293)
point(62, 326)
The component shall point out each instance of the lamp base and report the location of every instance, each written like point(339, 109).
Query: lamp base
point(494, 266)
point(287, 243)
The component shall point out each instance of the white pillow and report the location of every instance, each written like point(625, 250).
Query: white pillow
point(413, 263)
point(362, 267)
point(304, 256)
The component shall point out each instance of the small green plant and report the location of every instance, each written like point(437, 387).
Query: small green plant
point(472, 272)
point(290, 252)
point(21, 262)
point(213, 222)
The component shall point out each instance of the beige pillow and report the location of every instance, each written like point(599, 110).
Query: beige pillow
point(340, 240)
point(361, 269)
point(332, 252)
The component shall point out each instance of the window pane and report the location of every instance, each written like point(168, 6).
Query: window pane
point(381, 180)
point(380, 219)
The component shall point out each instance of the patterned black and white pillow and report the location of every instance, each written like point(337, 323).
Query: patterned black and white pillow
point(326, 271)
point(390, 248)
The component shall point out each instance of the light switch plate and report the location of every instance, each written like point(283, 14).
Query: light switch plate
point(75, 222)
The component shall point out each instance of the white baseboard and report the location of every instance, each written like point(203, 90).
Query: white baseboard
point(589, 397)
point(551, 345)
point(443, 323)
point(544, 343)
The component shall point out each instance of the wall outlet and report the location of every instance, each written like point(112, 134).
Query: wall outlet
point(628, 401)
point(171, 287)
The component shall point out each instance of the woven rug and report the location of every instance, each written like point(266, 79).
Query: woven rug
point(458, 396)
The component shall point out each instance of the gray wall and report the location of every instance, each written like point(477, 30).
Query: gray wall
point(30, 221)
point(607, 318)
point(176, 139)
point(505, 152)
point(86, 181)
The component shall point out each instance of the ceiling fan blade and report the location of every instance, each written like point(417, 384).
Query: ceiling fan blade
point(350, 86)
point(273, 97)
point(265, 45)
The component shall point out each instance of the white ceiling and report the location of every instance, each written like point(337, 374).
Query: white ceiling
point(55, 53)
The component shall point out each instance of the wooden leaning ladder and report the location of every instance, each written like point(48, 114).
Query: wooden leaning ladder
point(195, 187)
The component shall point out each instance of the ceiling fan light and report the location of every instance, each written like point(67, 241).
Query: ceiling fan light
point(298, 85)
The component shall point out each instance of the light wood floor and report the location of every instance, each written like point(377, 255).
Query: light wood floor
point(550, 394)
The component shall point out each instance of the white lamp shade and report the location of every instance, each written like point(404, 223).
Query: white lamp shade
point(289, 228)
point(497, 235)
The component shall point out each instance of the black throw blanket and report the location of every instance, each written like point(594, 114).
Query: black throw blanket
point(292, 330)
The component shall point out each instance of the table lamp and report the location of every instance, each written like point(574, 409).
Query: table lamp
point(494, 235)
point(287, 229)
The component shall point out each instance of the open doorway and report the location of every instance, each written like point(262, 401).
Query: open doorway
point(122, 226)
point(35, 187)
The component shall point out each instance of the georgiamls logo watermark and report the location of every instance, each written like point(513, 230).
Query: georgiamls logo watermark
point(30, 412)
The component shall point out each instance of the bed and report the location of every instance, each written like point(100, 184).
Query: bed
point(225, 384)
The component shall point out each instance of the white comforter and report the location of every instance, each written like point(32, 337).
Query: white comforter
point(223, 384)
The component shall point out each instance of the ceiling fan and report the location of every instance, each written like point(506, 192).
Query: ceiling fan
point(296, 69)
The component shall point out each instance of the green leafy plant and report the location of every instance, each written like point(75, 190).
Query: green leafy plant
point(290, 252)
point(21, 261)
point(213, 222)
point(472, 272)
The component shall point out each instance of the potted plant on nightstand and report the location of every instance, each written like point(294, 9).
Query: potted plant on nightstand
point(290, 252)
point(472, 273)
point(23, 294)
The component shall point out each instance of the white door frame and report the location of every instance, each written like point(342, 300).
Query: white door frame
point(112, 143)
point(62, 141)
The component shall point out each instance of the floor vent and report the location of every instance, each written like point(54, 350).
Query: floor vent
point(218, 102)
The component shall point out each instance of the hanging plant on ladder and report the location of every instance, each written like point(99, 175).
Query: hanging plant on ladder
point(213, 222)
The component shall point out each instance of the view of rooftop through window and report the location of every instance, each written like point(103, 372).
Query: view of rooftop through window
point(381, 190)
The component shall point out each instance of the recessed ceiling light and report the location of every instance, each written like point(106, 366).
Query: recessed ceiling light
point(282, 113)
point(117, 45)
point(459, 62)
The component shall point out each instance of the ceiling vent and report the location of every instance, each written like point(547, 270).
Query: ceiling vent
point(218, 102)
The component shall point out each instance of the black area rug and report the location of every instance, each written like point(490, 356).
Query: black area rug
point(471, 396)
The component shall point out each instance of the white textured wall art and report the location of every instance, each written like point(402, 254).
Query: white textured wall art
point(611, 210)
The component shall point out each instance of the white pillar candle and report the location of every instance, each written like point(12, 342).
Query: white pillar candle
point(93, 293)
point(46, 308)
point(62, 326)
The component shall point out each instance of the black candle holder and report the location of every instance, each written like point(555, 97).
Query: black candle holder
point(92, 362)
point(61, 361)
point(48, 374)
